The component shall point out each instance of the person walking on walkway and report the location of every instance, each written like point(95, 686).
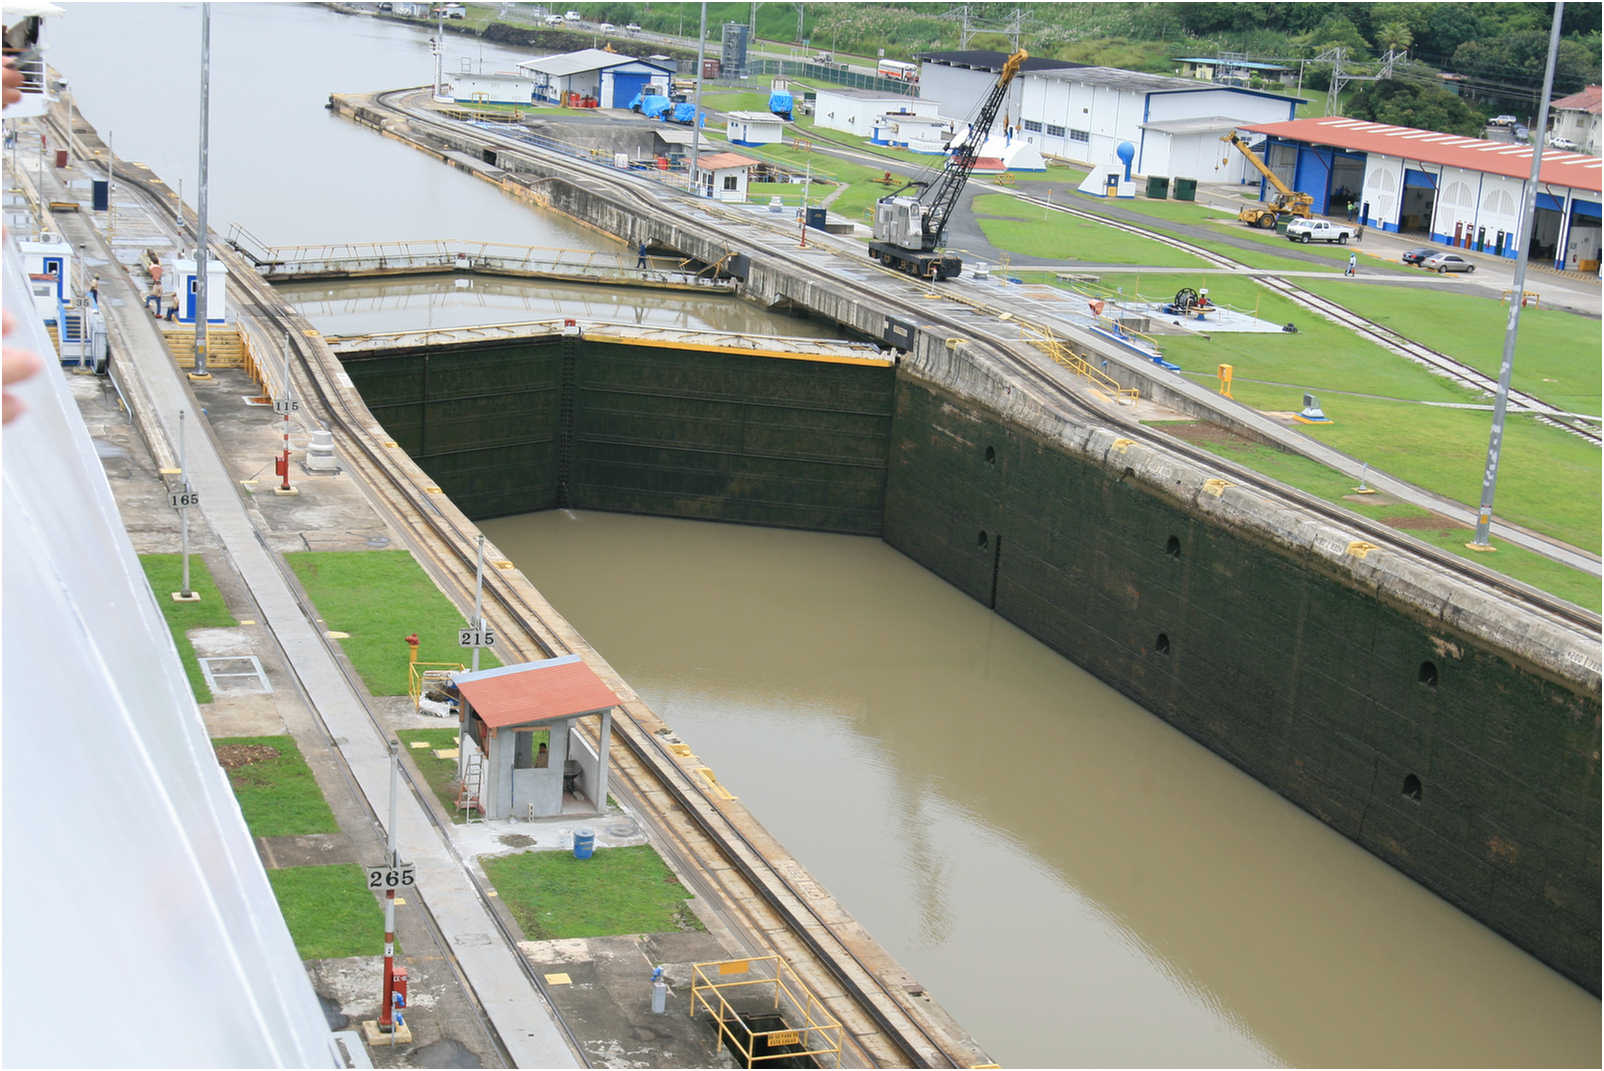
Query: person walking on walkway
point(94, 291)
point(640, 257)
point(1353, 264)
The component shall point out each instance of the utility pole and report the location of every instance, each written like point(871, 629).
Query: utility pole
point(181, 500)
point(439, 54)
point(1495, 440)
point(696, 105)
point(799, 9)
point(201, 280)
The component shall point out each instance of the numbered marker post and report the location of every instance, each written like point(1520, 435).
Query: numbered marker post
point(476, 637)
point(390, 877)
point(181, 500)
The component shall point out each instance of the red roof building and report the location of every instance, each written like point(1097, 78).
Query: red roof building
point(1454, 190)
point(1576, 118)
point(520, 720)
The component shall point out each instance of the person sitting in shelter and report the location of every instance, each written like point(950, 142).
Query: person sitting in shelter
point(542, 756)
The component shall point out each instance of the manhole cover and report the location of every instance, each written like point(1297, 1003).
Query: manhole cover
point(378, 541)
point(623, 829)
point(473, 939)
point(517, 840)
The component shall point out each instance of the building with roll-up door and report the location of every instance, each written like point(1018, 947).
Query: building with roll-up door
point(606, 78)
point(1448, 189)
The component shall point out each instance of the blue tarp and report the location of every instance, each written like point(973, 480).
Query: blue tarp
point(654, 107)
point(684, 113)
point(781, 104)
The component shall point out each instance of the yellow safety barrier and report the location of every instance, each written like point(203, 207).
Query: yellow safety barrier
point(1225, 372)
point(420, 675)
point(1062, 354)
point(1531, 297)
point(804, 1021)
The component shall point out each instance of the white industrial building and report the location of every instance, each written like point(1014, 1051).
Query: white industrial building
point(855, 111)
point(1577, 117)
point(754, 128)
point(1175, 124)
point(467, 88)
point(1453, 190)
point(919, 133)
point(959, 81)
point(609, 79)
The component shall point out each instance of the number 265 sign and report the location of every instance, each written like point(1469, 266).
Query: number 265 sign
point(391, 877)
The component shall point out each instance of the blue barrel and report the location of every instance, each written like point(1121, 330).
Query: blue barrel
point(584, 843)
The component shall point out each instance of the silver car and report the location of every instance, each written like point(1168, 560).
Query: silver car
point(1441, 262)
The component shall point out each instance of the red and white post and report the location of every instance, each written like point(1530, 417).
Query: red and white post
point(284, 460)
point(386, 1014)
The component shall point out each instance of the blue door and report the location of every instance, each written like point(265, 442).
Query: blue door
point(189, 307)
point(625, 86)
point(1313, 176)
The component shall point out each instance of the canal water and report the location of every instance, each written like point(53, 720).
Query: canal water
point(1076, 882)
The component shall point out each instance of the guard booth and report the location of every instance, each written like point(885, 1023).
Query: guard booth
point(185, 281)
point(523, 719)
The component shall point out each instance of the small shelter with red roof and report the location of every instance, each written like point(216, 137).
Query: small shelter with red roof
point(724, 175)
point(506, 710)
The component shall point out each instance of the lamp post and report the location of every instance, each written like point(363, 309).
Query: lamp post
point(201, 274)
point(1495, 439)
point(696, 107)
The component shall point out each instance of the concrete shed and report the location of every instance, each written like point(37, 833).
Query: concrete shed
point(491, 88)
point(505, 710)
point(755, 128)
point(855, 110)
point(724, 175)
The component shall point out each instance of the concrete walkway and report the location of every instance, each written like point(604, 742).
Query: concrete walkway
point(522, 1018)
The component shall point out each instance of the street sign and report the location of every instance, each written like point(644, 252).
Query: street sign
point(384, 877)
point(476, 637)
point(180, 499)
point(286, 405)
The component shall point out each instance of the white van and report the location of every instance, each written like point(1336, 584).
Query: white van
point(572, 16)
point(554, 20)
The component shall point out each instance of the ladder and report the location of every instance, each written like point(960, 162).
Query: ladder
point(468, 792)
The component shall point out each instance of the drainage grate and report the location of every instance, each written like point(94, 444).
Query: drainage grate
point(234, 674)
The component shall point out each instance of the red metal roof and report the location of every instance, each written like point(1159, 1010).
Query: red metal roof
point(1588, 100)
point(535, 692)
point(1573, 169)
point(718, 161)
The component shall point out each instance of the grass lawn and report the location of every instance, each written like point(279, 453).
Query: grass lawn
point(865, 189)
point(616, 891)
point(1557, 354)
point(379, 597)
point(1032, 231)
point(165, 572)
point(1526, 566)
point(274, 786)
point(1549, 480)
point(329, 911)
point(789, 193)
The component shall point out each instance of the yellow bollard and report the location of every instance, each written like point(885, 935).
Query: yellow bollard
point(1224, 371)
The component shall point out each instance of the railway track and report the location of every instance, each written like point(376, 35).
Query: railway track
point(909, 297)
point(793, 917)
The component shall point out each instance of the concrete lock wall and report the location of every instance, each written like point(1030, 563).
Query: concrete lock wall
point(1343, 700)
point(515, 427)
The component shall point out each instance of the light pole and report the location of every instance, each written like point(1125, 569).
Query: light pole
point(201, 274)
point(696, 107)
point(1495, 439)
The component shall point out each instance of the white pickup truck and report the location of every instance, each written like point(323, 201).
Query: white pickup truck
point(1319, 230)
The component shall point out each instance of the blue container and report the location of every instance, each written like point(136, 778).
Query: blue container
point(584, 843)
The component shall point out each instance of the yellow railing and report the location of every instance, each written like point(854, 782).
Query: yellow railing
point(806, 1022)
point(1060, 352)
point(422, 674)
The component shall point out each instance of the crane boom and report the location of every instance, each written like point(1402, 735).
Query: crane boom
point(1253, 158)
point(909, 223)
point(1287, 202)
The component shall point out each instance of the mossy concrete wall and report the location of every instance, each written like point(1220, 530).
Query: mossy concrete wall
point(1469, 764)
point(515, 427)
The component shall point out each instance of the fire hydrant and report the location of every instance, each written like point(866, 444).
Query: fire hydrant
point(412, 648)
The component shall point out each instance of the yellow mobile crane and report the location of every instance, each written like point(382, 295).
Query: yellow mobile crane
point(1287, 201)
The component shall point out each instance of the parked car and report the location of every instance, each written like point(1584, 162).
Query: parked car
point(1441, 262)
point(633, 27)
point(1502, 120)
point(1415, 256)
point(1319, 230)
point(554, 20)
point(1568, 144)
point(573, 16)
point(608, 27)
